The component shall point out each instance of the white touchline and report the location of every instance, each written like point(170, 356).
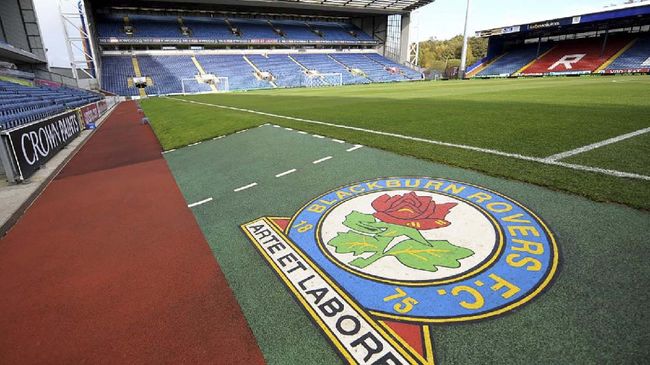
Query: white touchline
point(354, 148)
point(439, 143)
point(322, 160)
point(338, 141)
point(593, 146)
point(199, 202)
point(286, 173)
point(245, 187)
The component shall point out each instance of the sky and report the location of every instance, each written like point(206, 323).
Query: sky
point(444, 19)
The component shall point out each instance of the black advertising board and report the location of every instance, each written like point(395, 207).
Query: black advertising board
point(34, 144)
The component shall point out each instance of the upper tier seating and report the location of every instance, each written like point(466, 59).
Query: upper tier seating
point(513, 61)
point(576, 56)
point(163, 28)
point(636, 57)
point(21, 104)
point(168, 71)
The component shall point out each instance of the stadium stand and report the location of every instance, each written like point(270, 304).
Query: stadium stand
point(241, 75)
point(116, 72)
point(375, 71)
point(165, 28)
point(286, 72)
point(576, 56)
point(636, 58)
point(324, 63)
point(511, 62)
point(167, 72)
point(21, 104)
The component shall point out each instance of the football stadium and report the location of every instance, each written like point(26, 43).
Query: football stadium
point(301, 182)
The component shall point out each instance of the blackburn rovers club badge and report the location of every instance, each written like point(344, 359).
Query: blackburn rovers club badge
point(377, 263)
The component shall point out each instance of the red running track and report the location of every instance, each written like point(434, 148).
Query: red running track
point(109, 266)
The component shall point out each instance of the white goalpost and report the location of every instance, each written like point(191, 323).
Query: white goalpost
point(191, 85)
point(322, 79)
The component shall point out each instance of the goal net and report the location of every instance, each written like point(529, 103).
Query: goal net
point(205, 84)
point(322, 79)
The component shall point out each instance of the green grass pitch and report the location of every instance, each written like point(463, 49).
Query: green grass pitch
point(531, 117)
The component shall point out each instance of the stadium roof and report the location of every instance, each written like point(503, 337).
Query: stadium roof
point(340, 6)
point(393, 5)
point(606, 15)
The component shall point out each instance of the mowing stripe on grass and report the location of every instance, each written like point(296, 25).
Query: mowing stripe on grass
point(593, 146)
point(545, 161)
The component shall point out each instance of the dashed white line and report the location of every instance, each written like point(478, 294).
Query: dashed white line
point(302, 132)
point(194, 144)
point(242, 131)
point(168, 151)
point(245, 187)
point(219, 137)
point(199, 202)
point(286, 173)
point(322, 160)
point(276, 126)
point(337, 141)
point(289, 129)
point(317, 136)
point(356, 147)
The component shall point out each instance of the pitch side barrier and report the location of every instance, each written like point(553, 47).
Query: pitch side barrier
point(24, 149)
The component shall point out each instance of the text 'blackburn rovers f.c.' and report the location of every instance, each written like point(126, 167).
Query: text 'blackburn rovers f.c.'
point(377, 263)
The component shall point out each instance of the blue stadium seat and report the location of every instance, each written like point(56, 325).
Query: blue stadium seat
point(513, 61)
point(636, 57)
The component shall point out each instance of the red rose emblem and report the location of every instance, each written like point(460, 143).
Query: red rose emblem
point(411, 210)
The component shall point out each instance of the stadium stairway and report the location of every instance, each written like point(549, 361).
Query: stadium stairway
point(635, 57)
point(202, 71)
point(484, 65)
point(138, 73)
point(615, 56)
point(258, 71)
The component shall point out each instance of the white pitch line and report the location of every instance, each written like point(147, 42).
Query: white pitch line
point(318, 136)
point(242, 131)
point(354, 148)
point(245, 187)
point(593, 146)
point(194, 144)
point(434, 142)
point(322, 160)
point(337, 141)
point(199, 202)
point(219, 137)
point(168, 151)
point(289, 129)
point(286, 173)
point(276, 126)
point(302, 132)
